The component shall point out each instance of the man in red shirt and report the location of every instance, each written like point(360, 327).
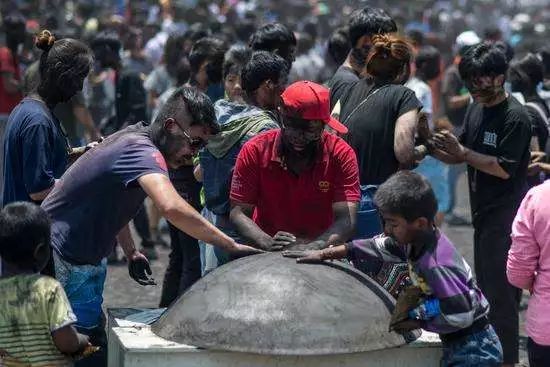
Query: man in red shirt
point(299, 185)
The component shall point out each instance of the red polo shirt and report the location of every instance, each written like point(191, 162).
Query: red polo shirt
point(7, 65)
point(301, 205)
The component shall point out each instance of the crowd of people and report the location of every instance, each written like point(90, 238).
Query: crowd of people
point(325, 130)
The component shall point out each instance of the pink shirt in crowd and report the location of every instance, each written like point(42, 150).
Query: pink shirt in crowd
point(529, 259)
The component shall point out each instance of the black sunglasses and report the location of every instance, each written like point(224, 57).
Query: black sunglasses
point(194, 143)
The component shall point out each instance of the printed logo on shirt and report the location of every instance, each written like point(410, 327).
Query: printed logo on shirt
point(324, 186)
point(160, 160)
point(490, 139)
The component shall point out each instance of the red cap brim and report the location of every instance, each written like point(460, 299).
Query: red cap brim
point(337, 125)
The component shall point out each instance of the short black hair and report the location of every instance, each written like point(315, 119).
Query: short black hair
point(368, 22)
point(173, 52)
point(13, 19)
point(427, 62)
point(506, 49)
point(526, 73)
point(208, 49)
point(408, 195)
point(235, 59)
point(262, 66)
point(416, 37)
point(23, 227)
point(198, 104)
point(484, 59)
point(105, 41)
point(182, 71)
point(544, 54)
point(196, 32)
point(338, 45)
point(272, 36)
point(243, 30)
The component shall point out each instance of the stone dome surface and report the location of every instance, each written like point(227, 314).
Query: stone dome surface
point(268, 304)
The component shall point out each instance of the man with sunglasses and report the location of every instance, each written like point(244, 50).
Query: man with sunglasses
point(297, 186)
point(104, 189)
point(494, 144)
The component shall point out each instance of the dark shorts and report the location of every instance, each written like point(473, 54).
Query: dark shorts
point(539, 355)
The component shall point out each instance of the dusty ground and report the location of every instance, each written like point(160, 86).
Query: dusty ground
point(121, 291)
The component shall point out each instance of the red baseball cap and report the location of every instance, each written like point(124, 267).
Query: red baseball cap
point(310, 101)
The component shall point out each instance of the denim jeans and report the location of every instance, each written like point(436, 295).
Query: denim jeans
point(369, 222)
point(211, 256)
point(480, 349)
point(454, 172)
point(84, 287)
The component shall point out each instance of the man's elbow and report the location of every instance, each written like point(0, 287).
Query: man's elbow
point(406, 157)
point(167, 209)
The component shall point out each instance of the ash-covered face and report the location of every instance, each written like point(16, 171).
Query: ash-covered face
point(403, 231)
point(301, 136)
point(486, 89)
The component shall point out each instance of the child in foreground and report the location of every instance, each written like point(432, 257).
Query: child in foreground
point(451, 304)
point(35, 316)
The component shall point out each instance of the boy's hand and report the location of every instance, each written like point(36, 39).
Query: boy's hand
point(306, 257)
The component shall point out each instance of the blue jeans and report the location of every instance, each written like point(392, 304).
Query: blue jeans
point(480, 349)
point(211, 256)
point(455, 170)
point(83, 285)
point(369, 223)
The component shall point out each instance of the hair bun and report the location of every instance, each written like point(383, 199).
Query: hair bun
point(45, 40)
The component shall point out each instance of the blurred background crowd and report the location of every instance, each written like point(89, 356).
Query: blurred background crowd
point(144, 27)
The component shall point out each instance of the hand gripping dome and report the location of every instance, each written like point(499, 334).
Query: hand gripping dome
point(268, 304)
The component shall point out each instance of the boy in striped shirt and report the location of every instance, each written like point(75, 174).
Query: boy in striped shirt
point(451, 303)
point(35, 316)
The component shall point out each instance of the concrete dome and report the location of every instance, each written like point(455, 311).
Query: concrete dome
point(268, 304)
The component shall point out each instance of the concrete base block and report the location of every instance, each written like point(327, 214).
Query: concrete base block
point(134, 345)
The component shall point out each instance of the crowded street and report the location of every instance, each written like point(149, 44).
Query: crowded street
point(243, 183)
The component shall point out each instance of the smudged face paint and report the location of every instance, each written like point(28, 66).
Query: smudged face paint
point(486, 89)
point(301, 135)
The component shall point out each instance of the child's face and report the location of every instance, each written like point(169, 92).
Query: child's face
point(402, 231)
